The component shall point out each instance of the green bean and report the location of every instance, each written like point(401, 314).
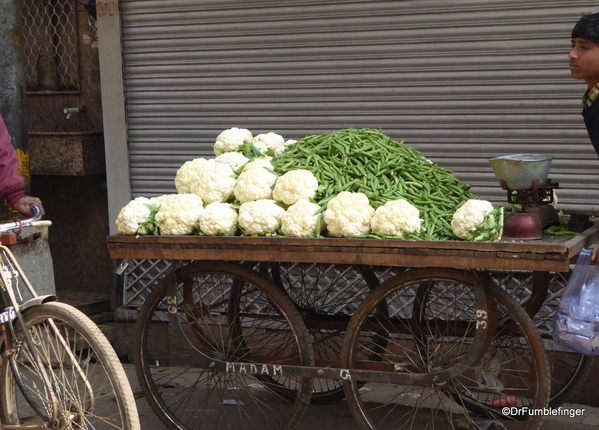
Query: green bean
point(368, 161)
point(319, 224)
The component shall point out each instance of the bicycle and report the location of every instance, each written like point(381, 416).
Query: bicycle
point(57, 369)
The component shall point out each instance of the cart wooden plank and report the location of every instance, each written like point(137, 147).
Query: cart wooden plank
point(551, 253)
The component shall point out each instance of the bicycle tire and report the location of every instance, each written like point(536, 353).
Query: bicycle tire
point(88, 379)
point(569, 369)
point(326, 296)
point(447, 405)
point(170, 362)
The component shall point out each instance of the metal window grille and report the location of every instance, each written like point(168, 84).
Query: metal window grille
point(140, 276)
point(519, 285)
point(50, 45)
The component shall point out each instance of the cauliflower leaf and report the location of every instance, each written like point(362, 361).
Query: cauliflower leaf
point(149, 226)
point(491, 228)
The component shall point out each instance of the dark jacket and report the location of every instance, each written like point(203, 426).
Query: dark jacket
point(591, 120)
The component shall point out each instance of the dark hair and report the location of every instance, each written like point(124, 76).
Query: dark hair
point(587, 27)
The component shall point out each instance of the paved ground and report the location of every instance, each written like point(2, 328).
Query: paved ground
point(338, 417)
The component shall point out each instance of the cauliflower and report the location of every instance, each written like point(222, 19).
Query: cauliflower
point(179, 214)
point(278, 150)
point(231, 139)
point(234, 159)
point(160, 200)
point(256, 163)
point(294, 186)
point(186, 174)
point(469, 217)
point(254, 184)
point(218, 219)
point(268, 141)
point(301, 219)
point(260, 217)
point(396, 217)
point(131, 216)
point(348, 214)
point(214, 183)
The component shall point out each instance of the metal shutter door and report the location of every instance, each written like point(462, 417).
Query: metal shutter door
point(463, 81)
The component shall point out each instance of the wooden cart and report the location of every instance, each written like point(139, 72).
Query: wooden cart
point(262, 326)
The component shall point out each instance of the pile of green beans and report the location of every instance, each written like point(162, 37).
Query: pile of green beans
point(368, 161)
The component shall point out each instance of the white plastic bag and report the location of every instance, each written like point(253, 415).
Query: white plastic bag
point(576, 323)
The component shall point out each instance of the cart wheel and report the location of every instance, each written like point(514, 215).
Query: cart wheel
point(568, 369)
point(175, 346)
point(326, 296)
point(427, 308)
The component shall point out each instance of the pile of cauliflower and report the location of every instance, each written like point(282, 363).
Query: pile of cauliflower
point(237, 193)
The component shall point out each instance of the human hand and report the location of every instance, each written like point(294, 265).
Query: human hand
point(594, 253)
point(23, 206)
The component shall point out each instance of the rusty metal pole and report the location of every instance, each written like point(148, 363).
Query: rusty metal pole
point(12, 87)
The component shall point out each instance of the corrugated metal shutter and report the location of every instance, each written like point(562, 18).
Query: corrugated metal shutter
point(463, 81)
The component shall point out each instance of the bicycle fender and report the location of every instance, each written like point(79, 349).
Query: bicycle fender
point(38, 301)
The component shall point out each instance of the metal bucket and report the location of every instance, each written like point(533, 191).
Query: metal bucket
point(521, 170)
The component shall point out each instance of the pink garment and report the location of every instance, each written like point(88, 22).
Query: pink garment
point(11, 183)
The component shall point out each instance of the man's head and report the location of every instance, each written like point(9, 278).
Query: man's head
point(584, 56)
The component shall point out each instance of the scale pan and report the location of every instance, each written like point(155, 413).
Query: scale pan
point(521, 170)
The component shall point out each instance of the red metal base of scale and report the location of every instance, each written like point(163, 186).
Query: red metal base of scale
point(536, 212)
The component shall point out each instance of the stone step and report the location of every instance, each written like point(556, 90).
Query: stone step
point(94, 305)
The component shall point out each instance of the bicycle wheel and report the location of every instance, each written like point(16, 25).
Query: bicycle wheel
point(86, 377)
point(429, 312)
point(326, 296)
point(175, 351)
point(568, 369)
